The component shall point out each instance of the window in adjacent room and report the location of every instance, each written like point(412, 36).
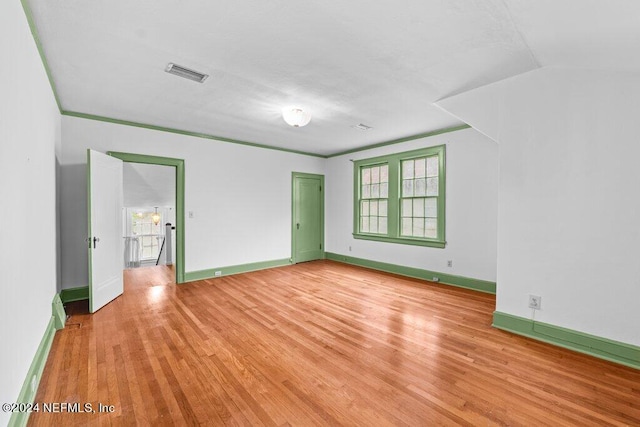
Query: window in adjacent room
point(140, 225)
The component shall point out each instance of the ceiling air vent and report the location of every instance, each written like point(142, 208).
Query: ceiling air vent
point(361, 127)
point(181, 71)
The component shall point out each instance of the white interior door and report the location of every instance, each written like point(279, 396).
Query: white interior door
point(106, 245)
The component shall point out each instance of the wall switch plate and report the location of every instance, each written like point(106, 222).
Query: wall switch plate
point(450, 263)
point(191, 214)
point(535, 302)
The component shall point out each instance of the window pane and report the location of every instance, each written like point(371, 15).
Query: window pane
point(432, 186)
point(373, 224)
point(364, 209)
point(420, 168)
point(407, 169)
point(418, 228)
point(366, 191)
point(384, 173)
point(407, 188)
point(146, 252)
point(373, 208)
point(382, 225)
point(366, 176)
point(382, 208)
point(375, 191)
point(406, 226)
point(364, 224)
point(431, 228)
point(407, 208)
point(418, 207)
point(384, 190)
point(431, 208)
point(432, 166)
point(420, 187)
point(375, 175)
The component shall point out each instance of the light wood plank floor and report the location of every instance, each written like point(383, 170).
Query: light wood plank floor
point(320, 343)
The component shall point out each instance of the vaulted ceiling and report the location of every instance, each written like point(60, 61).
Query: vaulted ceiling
point(148, 185)
point(380, 63)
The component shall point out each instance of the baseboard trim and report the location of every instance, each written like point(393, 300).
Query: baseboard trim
point(447, 279)
point(59, 316)
point(74, 294)
point(234, 269)
point(28, 392)
point(602, 348)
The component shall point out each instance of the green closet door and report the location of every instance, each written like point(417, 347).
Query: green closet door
point(308, 217)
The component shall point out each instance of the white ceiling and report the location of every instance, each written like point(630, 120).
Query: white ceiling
point(148, 185)
point(381, 63)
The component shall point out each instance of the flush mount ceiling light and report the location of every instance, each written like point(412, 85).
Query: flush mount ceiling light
point(296, 116)
point(361, 127)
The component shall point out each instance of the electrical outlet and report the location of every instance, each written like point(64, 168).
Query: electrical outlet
point(450, 263)
point(435, 279)
point(349, 248)
point(535, 302)
point(217, 273)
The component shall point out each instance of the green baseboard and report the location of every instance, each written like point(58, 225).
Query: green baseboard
point(29, 389)
point(448, 279)
point(74, 294)
point(234, 269)
point(613, 351)
point(59, 316)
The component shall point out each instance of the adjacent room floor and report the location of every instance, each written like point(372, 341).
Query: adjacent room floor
point(319, 343)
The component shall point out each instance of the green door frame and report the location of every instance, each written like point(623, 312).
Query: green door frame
point(295, 175)
point(179, 165)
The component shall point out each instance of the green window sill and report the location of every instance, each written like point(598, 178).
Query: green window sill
point(402, 240)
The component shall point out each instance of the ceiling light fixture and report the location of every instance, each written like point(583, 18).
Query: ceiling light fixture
point(296, 116)
point(361, 127)
point(155, 217)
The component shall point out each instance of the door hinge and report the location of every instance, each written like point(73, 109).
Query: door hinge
point(321, 188)
point(320, 245)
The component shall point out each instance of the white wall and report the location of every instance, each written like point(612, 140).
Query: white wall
point(471, 208)
point(29, 135)
point(569, 211)
point(240, 195)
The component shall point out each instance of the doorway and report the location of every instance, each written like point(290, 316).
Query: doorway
point(307, 219)
point(178, 203)
point(149, 215)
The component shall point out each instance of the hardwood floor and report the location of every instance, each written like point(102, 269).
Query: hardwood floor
point(320, 343)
